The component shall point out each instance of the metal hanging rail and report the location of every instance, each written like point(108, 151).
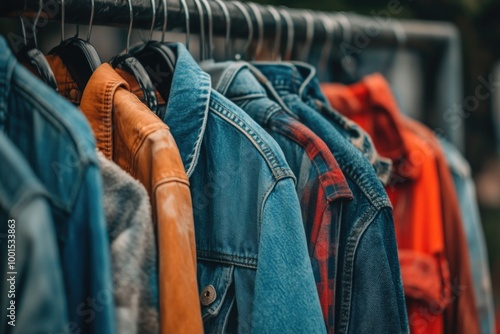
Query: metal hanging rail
point(375, 31)
point(347, 33)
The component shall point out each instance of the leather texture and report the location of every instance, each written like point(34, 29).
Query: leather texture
point(139, 142)
point(128, 133)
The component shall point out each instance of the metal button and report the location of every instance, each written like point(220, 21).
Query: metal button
point(74, 94)
point(208, 295)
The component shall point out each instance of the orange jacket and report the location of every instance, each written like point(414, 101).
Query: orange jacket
point(460, 316)
point(414, 191)
point(139, 142)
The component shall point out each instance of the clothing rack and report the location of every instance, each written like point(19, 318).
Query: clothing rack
point(360, 32)
point(116, 13)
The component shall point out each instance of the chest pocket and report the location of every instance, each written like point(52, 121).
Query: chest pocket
point(217, 297)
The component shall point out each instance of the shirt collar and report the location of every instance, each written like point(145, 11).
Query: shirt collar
point(188, 105)
point(371, 101)
point(299, 79)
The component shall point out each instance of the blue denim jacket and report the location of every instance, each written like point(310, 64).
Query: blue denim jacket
point(251, 246)
point(307, 87)
point(321, 185)
point(57, 142)
point(473, 228)
point(27, 234)
point(369, 288)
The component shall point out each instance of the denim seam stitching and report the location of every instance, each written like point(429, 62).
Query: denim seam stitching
point(248, 262)
point(363, 184)
point(247, 96)
point(226, 320)
point(347, 278)
point(277, 171)
point(207, 96)
point(238, 264)
point(227, 77)
point(223, 281)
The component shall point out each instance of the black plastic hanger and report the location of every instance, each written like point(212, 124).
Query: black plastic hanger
point(30, 54)
point(159, 59)
point(131, 64)
point(78, 55)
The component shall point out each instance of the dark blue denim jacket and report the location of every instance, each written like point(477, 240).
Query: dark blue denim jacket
point(27, 234)
point(369, 288)
point(251, 245)
point(57, 142)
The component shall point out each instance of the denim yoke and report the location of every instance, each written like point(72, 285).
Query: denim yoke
point(57, 142)
point(254, 273)
point(321, 185)
point(40, 303)
point(369, 290)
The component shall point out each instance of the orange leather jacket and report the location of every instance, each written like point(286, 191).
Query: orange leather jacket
point(128, 133)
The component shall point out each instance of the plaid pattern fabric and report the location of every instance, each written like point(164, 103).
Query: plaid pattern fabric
point(321, 187)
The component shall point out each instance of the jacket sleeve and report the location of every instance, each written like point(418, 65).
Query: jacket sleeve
point(286, 300)
point(377, 281)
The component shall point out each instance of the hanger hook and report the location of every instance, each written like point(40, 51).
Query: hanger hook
point(89, 31)
point(131, 15)
point(186, 13)
point(201, 14)
point(275, 55)
point(346, 25)
point(35, 23)
point(210, 28)
point(260, 25)
point(227, 18)
point(306, 50)
point(153, 20)
point(329, 25)
point(400, 34)
point(248, 19)
point(62, 20)
point(290, 32)
point(21, 18)
point(165, 17)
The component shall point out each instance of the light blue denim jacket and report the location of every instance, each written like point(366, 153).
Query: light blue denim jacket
point(250, 241)
point(321, 185)
point(57, 142)
point(39, 300)
point(369, 291)
point(473, 228)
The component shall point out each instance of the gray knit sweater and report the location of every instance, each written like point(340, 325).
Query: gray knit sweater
point(133, 250)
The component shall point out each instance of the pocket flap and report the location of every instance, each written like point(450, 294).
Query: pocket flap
point(214, 281)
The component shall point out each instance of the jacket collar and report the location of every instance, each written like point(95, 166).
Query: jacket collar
point(242, 81)
point(295, 77)
point(187, 108)
point(97, 105)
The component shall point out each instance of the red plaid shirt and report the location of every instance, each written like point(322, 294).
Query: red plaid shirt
point(321, 187)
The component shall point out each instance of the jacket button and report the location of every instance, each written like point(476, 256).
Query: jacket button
point(208, 295)
point(74, 95)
